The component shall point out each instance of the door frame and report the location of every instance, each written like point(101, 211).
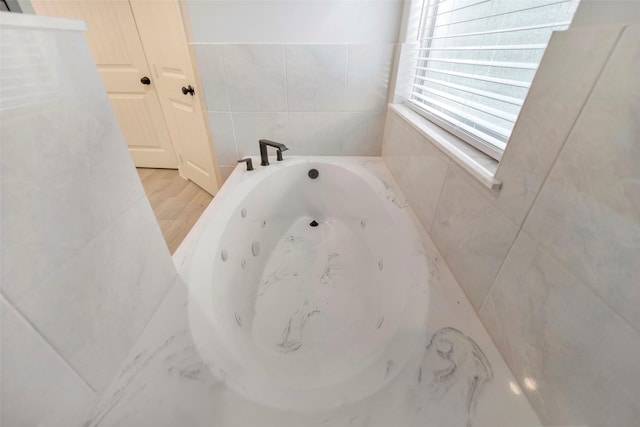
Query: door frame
point(186, 25)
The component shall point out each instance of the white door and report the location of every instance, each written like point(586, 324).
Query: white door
point(115, 44)
point(161, 29)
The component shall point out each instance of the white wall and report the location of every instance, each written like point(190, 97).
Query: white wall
point(26, 6)
point(312, 74)
point(606, 12)
point(295, 21)
point(551, 261)
point(84, 264)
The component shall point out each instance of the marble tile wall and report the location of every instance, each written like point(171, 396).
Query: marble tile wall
point(575, 357)
point(551, 260)
point(295, 21)
point(84, 264)
point(587, 214)
point(319, 99)
point(38, 386)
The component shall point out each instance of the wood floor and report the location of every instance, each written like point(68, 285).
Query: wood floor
point(177, 202)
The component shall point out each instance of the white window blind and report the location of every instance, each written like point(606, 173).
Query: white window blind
point(475, 60)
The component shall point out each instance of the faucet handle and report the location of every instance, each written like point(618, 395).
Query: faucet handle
point(248, 161)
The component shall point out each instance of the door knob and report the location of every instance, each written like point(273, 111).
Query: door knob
point(145, 80)
point(188, 90)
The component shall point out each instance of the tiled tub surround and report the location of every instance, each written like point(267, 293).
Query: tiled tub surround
point(452, 375)
point(318, 99)
point(551, 261)
point(84, 265)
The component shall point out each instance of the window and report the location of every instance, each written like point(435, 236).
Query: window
point(475, 60)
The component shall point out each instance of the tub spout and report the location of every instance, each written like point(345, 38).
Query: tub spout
point(264, 160)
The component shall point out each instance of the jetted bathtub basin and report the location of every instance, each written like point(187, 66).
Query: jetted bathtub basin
point(308, 293)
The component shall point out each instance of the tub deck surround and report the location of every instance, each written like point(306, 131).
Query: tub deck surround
point(397, 347)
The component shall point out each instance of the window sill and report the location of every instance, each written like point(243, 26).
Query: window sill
point(475, 162)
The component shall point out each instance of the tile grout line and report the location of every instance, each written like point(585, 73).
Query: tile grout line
point(176, 281)
point(573, 126)
point(454, 161)
point(87, 243)
point(346, 79)
point(494, 206)
point(595, 293)
point(226, 90)
point(377, 111)
point(546, 177)
point(493, 281)
point(435, 212)
point(286, 92)
point(48, 343)
point(286, 77)
point(502, 263)
point(429, 231)
point(44, 337)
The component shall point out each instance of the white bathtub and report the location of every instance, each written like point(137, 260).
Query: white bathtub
point(300, 317)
